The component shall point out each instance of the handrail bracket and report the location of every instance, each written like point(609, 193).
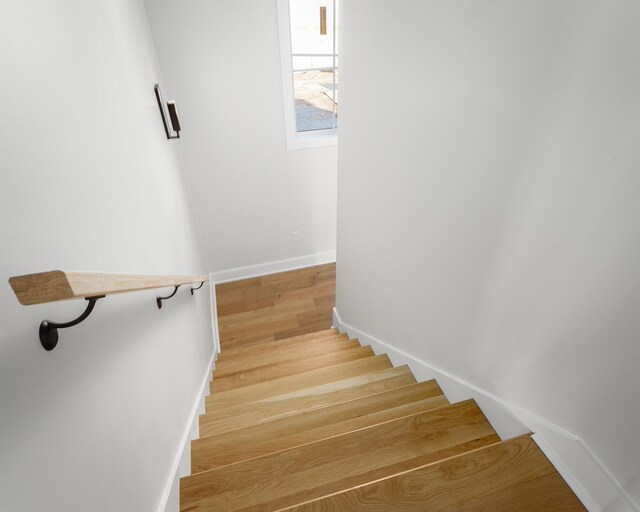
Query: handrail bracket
point(49, 330)
point(160, 299)
point(56, 285)
point(194, 289)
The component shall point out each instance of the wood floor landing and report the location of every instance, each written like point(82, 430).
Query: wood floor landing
point(276, 306)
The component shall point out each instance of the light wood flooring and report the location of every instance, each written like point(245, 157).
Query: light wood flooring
point(276, 306)
point(302, 418)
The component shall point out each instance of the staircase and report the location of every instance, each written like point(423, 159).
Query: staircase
point(318, 422)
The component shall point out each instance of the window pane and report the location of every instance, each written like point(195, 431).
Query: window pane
point(337, 15)
point(333, 94)
point(314, 100)
point(306, 36)
point(306, 62)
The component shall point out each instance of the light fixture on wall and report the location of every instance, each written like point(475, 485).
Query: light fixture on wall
point(173, 115)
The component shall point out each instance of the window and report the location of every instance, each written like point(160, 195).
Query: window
point(309, 56)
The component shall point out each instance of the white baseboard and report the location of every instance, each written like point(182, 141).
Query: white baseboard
point(592, 482)
point(170, 500)
point(214, 315)
point(263, 269)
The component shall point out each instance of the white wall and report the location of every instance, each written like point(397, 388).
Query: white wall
point(89, 182)
point(221, 61)
point(488, 209)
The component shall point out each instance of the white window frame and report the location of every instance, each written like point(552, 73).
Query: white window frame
point(295, 139)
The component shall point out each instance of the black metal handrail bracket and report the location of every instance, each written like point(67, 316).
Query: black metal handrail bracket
point(57, 285)
point(160, 299)
point(194, 289)
point(49, 330)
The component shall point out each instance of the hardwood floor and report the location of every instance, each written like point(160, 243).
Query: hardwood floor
point(302, 418)
point(277, 306)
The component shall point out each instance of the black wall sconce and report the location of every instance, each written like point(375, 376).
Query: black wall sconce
point(173, 115)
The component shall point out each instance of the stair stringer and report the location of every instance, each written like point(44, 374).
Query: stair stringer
point(587, 476)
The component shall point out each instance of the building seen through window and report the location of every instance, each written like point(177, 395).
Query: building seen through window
point(314, 57)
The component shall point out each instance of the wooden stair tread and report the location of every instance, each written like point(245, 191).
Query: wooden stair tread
point(287, 368)
point(293, 344)
point(310, 387)
point(242, 349)
point(511, 475)
point(296, 382)
point(303, 349)
point(332, 465)
point(306, 399)
point(258, 440)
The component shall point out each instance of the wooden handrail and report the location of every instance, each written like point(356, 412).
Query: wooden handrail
point(65, 285)
point(58, 285)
